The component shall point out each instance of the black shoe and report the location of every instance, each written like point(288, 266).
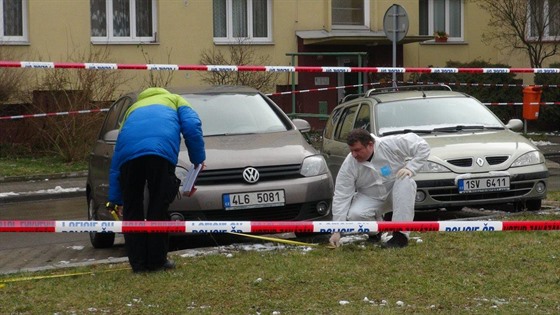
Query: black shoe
point(399, 240)
point(168, 265)
point(374, 237)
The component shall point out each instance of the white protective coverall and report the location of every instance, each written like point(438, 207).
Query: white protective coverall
point(364, 191)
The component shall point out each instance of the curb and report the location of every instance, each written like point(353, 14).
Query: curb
point(10, 179)
point(40, 196)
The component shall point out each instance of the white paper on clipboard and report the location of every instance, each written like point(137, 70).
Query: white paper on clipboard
point(190, 178)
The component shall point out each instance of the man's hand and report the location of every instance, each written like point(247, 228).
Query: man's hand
point(404, 172)
point(335, 239)
point(115, 210)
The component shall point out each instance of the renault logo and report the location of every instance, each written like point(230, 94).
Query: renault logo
point(479, 161)
point(251, 175)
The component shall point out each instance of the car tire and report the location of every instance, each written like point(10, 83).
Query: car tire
point(98, 240)
point(533, 204)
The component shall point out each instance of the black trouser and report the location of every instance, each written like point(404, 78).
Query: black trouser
point(147, 251)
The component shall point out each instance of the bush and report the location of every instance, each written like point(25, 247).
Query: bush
point(58, 90)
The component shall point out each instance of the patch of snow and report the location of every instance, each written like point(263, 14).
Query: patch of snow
point(58, 190)
point(8, 194)
point(541, 143)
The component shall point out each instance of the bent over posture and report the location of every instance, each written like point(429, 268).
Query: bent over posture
point(376, 178)
point(145, 155)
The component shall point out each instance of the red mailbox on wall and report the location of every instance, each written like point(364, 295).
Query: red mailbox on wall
point(531, 95)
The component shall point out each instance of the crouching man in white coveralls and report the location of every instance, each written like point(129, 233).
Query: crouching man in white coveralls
point(376, 178)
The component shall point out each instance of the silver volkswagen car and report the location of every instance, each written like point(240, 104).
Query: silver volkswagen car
point(259, 164)
point(475, 159)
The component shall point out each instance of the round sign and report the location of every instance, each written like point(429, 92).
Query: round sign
point(395, 22)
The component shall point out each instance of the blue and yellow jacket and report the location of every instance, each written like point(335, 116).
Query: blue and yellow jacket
point(152, 126)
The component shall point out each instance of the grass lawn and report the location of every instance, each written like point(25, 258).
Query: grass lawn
point(439, 273)
point(26, 166)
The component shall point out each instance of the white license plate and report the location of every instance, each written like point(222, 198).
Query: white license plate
point(270, 198)
point(483, 184)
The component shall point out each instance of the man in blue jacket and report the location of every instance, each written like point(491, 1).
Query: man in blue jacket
point(145, 155)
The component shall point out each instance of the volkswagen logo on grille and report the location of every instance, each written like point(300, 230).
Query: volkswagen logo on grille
point(251, 175)
point(480, 161)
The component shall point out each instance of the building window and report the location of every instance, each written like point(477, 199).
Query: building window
point(126, 21)
point(442, 15)
point(350, 14)
point(14, 21)
point(247, 21)
point(544, 20)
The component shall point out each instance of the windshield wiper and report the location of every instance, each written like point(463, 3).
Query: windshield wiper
point(463, 127)
point(401, 131)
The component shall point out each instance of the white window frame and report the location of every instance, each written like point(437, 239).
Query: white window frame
point(24, 37)
point(431, 19)
point(132, 39)
point(366, 10)
point(546, 35)
point(230, 39)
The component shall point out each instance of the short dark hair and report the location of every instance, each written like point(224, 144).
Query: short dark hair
point(361, 135)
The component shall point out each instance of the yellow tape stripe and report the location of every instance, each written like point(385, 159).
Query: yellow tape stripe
point(57, 276)
point(274, 239)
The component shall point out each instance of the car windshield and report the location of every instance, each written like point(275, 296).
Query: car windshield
point(434, 114)
point(226, 114)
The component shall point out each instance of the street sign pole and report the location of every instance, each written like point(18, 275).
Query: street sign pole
point(395, 25)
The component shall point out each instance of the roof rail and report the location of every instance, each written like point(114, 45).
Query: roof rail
point(407, 87)
point(350, 97)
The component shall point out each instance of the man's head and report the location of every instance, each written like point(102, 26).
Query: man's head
point(361, 143)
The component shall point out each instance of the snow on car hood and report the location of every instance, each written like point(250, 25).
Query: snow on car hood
point(487, 143)
point(235, 151)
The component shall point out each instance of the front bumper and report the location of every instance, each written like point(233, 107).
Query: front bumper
point(301, 198)
point(443, 192)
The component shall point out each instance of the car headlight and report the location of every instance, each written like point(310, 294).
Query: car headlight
point(313, 165)
point(432, 167)
point(530, 158)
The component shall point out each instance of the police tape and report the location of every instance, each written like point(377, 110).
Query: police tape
point(266, 227)
point(73, 112)
point(518, 103)
point(14, 117)
point(239, 68)
point(478, 84)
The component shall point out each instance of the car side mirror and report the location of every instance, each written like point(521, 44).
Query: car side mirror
point(302, 125)
point(111, 136)
point(514, 124)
